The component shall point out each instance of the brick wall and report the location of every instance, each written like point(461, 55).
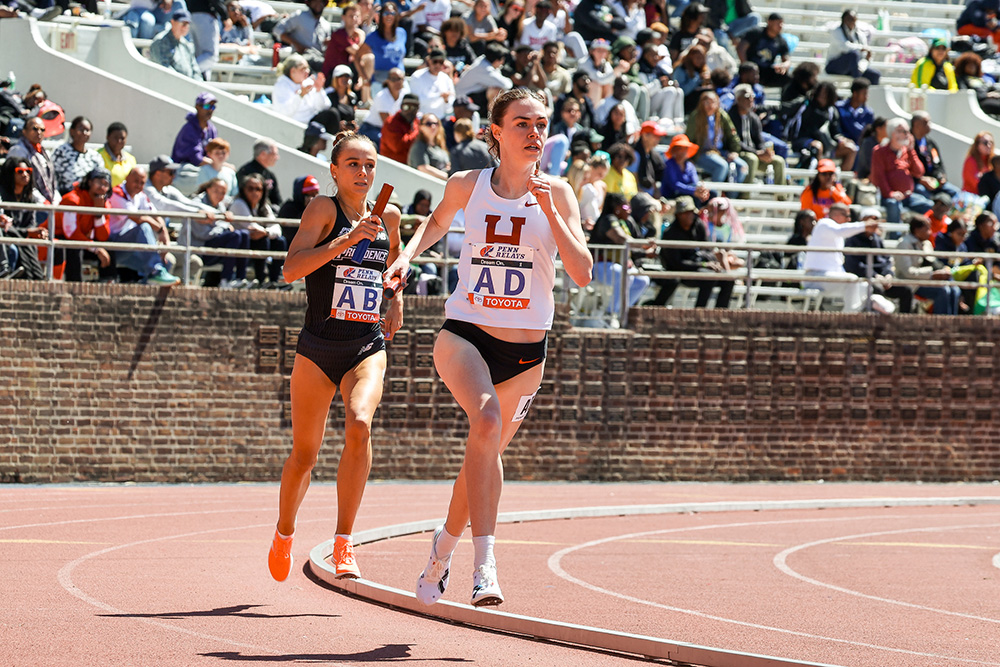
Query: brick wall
point(119, 382)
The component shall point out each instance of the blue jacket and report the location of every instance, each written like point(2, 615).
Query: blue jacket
point(677, 181)
point(854, 121)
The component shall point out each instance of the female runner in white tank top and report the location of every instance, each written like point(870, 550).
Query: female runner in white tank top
point(491, 350)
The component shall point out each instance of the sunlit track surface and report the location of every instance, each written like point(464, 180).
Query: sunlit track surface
point(176, 575)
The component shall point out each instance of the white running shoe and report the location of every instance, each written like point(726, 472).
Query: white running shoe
point(434, 579)
point(485, 589)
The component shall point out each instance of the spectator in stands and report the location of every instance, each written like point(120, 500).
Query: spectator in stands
point(250, 202)
point(484, 80)
point(456, 47)
point(265, 156)
point(561, 136)
point(238, 30)
point(881, 265)
point(262, 15)
point(300, 96)
point(429, 16)
point(935, 179)
point(805, 78)
point(386, 103)
point(767, 47)
point(345, 101)
point(580, 92)
point(722, 84)
point(429, 152)
point(117, 160)
point(214, 229)
point(666, 99)
point(896, 168)
point(977, 161)
point(969, 76)
point(618, 98)
point(344, 47)
point(849, 53)
point(934, 70)
point(593, 21)
point(433, 86)
point(141, 19)
point(687, 226)
point(947, 297)
point(525, 71)
point(384, 48)
point(815, 130)
point(632, 12)
point(138, 228)
point(558, 79)
point(979, 19)
point(43, 168)
point(173, 50)
point(731, 19)
point(802, 228)
point(824, 191)
point(217, 166)
point(692, 76)
point(952, 240)
point(830, 232)
point(599, 67)
point(315, 141)
point(401, 130)
point(983, 238)
point(307, 32)
point(692, 19)
point(17, 185)
point(483, 27)
point(718, 144)
point(468, 152)
point(615, 129)
point(649, 171)
point(855, 114)
point(304, 190)
point(164, 11)
point(989, 182)
point(73, 160)
point(873, 135)
point(91, 191)
point(680, 177)
point(464, 107)
point(754, 150)
point(197, 131)
point(619, 179)
point(938, 215)
point(614, 227)
point(592, 190)
point(716, 56)
point(206, 22)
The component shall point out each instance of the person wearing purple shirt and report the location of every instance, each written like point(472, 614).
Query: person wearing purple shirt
point(189, 146)
point(679, 175)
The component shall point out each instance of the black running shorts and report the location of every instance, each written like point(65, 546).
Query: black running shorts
point(505, 360)
point(336, 357)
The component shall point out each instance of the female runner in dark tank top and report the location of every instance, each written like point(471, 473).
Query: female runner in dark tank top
point(342, 344)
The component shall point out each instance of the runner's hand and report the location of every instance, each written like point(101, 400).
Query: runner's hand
point(393, 319)
point(366, 229)
point(541, 189)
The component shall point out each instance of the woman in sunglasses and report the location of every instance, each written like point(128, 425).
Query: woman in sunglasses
point(251, 202)
point(17, 185)
point(429, 153)
point(383, 49)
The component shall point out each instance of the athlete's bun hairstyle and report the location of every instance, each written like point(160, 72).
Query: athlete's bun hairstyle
point(498, 107)
point(342, 139)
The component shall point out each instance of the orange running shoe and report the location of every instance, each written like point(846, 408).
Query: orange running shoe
point(343, 559)
point(279, 558)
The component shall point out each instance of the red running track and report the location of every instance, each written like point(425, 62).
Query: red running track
point(176, 575)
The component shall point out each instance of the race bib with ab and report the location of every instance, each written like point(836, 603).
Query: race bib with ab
point(357, 294)
point(500, 275)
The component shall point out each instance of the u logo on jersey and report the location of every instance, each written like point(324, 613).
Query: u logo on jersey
point(493, 236)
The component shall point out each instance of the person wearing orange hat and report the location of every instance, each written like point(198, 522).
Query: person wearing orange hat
point(679, 175)
point(824, 191)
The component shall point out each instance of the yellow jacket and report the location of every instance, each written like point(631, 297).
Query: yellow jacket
point(924, 72)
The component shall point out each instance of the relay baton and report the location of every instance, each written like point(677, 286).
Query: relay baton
point(378, 209)
point(395, 284)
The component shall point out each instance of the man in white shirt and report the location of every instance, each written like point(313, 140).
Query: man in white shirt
point(483, 80)
point(432, 13)
point(139, 228)
point(849, 53)
point(387, 102)
point(540, 30)
point(830, 233)
point(433, 86)
point(619, 92)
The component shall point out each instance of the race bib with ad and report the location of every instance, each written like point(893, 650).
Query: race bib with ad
point(357, 294)
point(500, 275)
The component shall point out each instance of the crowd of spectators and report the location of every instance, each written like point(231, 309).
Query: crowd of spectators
point(654, 109)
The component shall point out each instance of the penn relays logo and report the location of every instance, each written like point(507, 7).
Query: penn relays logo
point(486, 251)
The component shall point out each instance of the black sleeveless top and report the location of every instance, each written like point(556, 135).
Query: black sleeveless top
point(344, 298)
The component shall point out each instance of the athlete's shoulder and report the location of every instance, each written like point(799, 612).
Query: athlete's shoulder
point(461, 184)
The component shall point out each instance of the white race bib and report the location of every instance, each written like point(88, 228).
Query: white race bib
point(357, 294)
point(500, 275)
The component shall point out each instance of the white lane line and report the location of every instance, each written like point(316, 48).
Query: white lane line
point(555, 566)
point(996, 561)
point(65, 578)
point(781, 562)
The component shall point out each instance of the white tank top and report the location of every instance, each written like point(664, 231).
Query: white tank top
point(506, 272)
